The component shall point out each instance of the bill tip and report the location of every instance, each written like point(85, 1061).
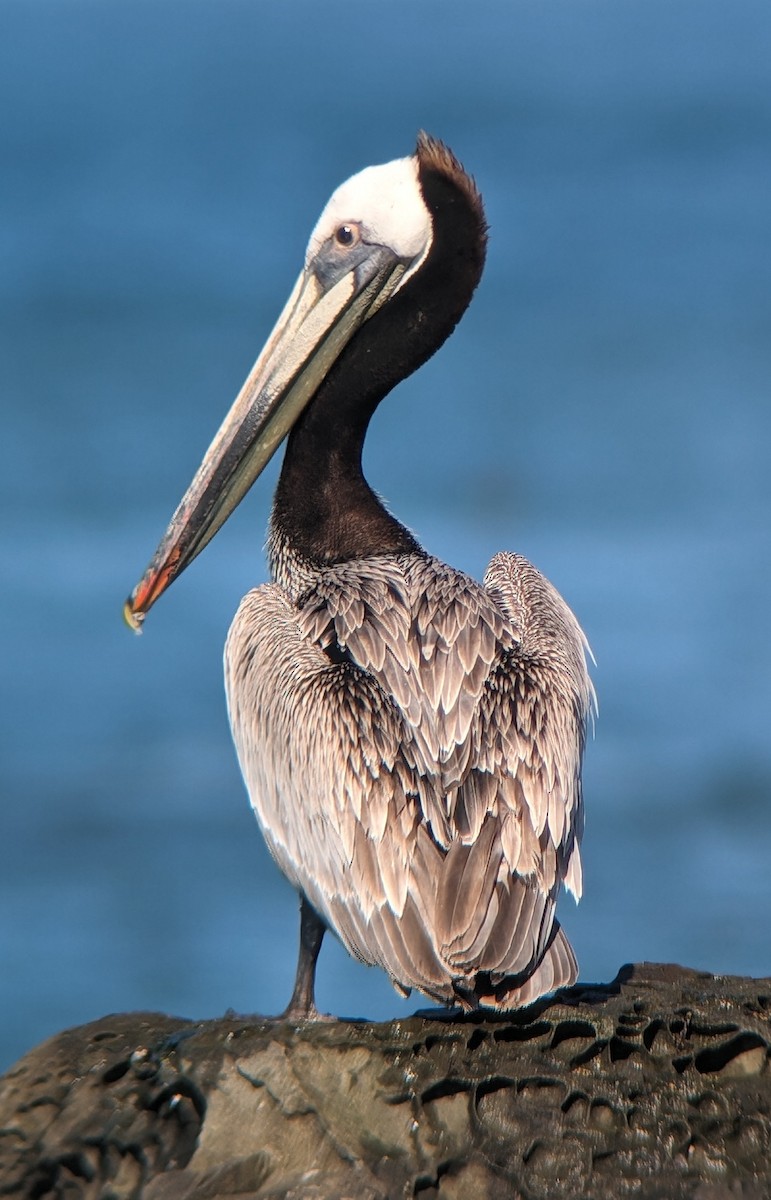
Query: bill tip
point(133, 619)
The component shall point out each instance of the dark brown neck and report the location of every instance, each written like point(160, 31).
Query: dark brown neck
point(324, 508)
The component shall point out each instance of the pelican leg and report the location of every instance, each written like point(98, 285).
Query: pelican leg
point(302, 1006)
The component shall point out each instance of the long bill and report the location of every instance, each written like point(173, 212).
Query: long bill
point(318, 321)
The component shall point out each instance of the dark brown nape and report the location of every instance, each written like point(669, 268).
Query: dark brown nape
point(437, 161)
point(323, 506)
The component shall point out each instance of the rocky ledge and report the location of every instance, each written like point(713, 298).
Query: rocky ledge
point(656, 1085)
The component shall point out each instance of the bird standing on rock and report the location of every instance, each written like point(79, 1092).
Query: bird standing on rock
point(411, 740)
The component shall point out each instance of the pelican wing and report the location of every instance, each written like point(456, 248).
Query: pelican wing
point(549, 696)
point(417, 773)
point(340, 805)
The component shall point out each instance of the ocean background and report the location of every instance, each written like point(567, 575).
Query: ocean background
point(604, 408)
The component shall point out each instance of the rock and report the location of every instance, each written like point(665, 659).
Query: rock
point(657, 1085)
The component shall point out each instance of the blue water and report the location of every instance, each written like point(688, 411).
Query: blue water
point(603, 408)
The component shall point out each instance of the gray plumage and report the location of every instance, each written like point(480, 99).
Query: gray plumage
point(411, 742)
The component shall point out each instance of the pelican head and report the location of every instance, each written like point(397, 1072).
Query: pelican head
point(371, 239)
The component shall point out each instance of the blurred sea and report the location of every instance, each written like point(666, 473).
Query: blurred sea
point(603, 408)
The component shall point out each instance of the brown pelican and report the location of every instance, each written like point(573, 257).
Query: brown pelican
point(411, 740)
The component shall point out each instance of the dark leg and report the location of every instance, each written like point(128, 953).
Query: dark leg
point(302, 1006)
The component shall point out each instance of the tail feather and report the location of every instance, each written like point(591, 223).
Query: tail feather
point(558, 968)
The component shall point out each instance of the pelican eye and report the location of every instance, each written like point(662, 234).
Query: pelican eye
point(347, 235)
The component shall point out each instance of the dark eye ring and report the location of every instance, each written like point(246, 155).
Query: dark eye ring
point(346, 235)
